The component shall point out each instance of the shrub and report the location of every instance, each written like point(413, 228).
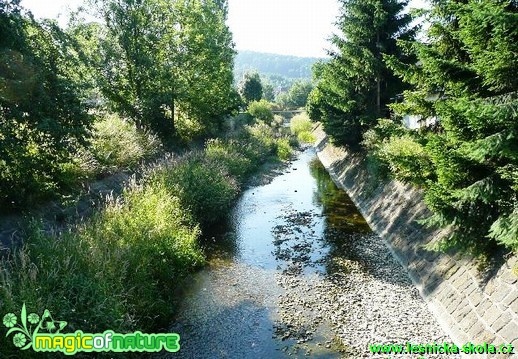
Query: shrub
point(232, 154)
point(407, 159)
point(277, 122)
point(204, 187)
point(284, 150)
point(261, 110)
point(301, 126)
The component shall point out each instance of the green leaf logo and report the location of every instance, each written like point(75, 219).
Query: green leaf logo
point(29, 326)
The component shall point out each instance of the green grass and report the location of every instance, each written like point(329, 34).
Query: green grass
point(117, 144)
point(119, 270)
point(205, 188)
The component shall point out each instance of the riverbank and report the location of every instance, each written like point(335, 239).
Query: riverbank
point(471, 306)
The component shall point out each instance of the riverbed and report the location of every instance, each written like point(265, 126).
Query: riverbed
point(297, 272)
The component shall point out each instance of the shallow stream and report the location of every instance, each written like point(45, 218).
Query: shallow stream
point(295, 273)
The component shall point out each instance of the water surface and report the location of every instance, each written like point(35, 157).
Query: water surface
point(246, 303)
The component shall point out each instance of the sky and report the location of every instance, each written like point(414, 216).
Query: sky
point(288, 27)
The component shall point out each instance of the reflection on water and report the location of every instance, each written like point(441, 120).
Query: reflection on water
point(288, 227)
point(338, 210)
point(304, 187)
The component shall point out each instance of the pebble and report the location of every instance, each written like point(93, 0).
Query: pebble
point(365, 296)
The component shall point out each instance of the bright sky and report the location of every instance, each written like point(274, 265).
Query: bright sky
point(290, 27)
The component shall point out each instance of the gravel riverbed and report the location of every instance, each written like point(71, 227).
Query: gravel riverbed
point(362, 295)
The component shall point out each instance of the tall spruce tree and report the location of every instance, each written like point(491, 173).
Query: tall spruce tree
point(469, 63)
point(355, 87)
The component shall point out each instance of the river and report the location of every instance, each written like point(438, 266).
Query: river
point(296, 272)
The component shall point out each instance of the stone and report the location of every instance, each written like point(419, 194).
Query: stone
point(509, 332)
point(502, 321)
point(500, 293)
point(491, 315)
point(476, 297)
point(469, 321)
point(511, 297)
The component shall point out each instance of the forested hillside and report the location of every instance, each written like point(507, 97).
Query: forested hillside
point(291, 67)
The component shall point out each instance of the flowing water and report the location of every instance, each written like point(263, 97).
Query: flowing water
point(241, 305)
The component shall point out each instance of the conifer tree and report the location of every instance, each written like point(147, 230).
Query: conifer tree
point(469, 65)
point(355, 87)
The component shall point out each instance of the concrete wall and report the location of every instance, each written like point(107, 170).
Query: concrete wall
point(469, 305)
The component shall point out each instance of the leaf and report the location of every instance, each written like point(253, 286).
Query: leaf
point(483, 190)
point(505, 230)
point(23, 316)
point(13, 330)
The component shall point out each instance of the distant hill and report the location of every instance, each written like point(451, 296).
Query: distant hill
point(290, 67)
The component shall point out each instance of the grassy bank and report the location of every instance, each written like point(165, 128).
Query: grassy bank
point(120, 269)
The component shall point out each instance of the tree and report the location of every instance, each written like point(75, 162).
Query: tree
point(261, 110)
point(355, 86)
point(41, 114)
point(268, 90)
point(250, 87)
point(469, 64)
point(297, 95)
point(163, 58)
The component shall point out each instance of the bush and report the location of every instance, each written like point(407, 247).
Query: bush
point(261, 142)
point(261, 110)
point(277, 122)
point(205, 188)
point(232, 154)
point(284, 150)
point(407, 159)
point(301, 126)
point(118, 271)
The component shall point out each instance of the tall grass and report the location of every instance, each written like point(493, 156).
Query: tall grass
point(119, 270)
point(205, 188)
point(117, 144)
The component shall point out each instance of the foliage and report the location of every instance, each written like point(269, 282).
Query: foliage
point(284, 150)
point(162, 58)
point(407, 159)
point(118, 271)
point(297, 95)
point(301, 126)
point(233, 155)
point(205, 188)
point(41, 116)
point(250, 87)
point(261, 110)
point(355, 87)
point(117, 144)
point(268, 90)
point(465, 79)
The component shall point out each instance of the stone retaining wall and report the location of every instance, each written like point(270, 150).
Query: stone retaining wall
point(471, 307)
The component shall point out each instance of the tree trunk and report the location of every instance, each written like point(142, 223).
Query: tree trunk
point(173, 128)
